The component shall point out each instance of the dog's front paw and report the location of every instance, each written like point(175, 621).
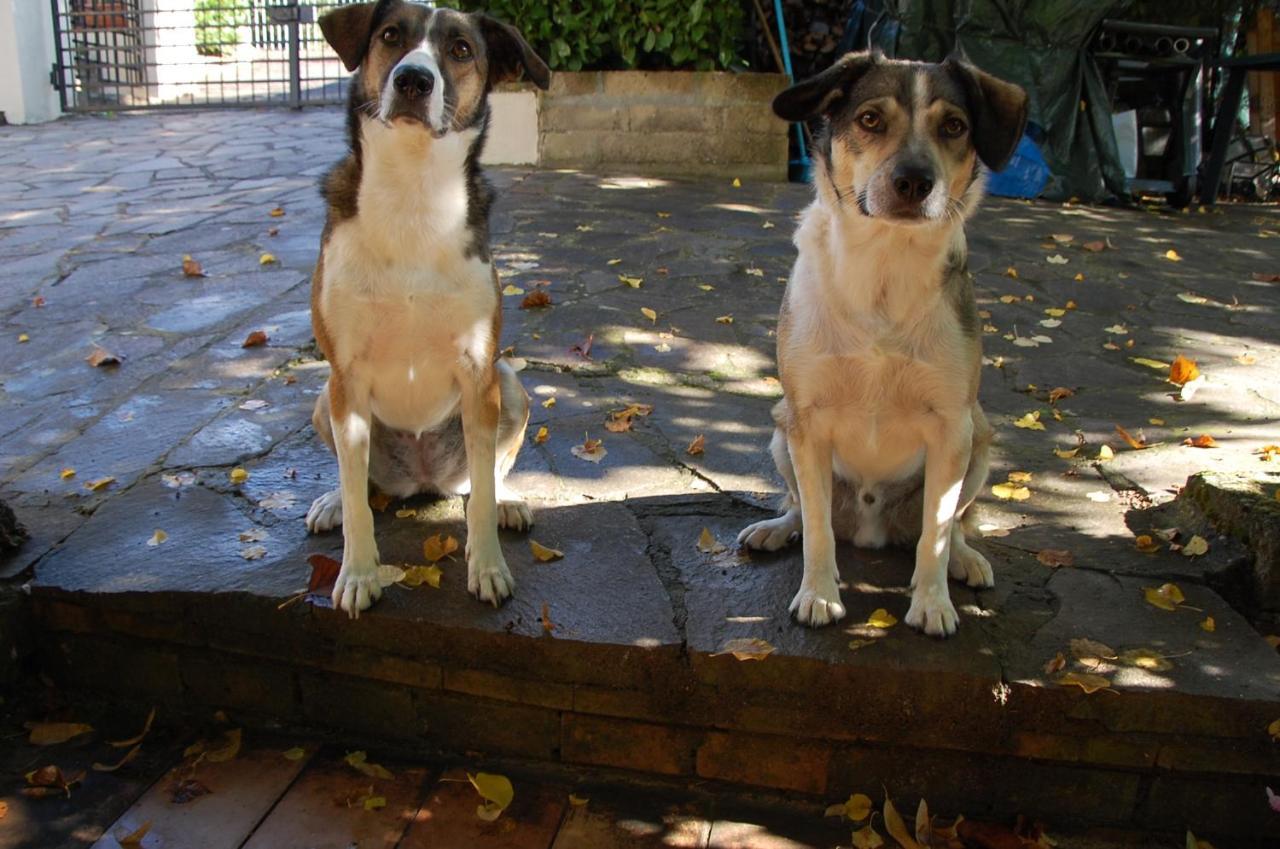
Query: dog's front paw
point(514, 514)
point(325, 513)
point(931, 611)
point(970, 566)
point(357, 586)
point(488, 577)
point(817, 607)
point(771, 534)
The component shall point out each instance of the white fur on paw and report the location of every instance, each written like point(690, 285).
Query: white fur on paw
point(514, 514)
point(816, 608)
point(488, 577)
point(971, 567)
point(325, 513)
point(770, 534)
point(931, 611)
point(356, 588)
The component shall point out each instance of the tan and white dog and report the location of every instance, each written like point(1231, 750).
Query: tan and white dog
point(405, 303)
point(880, 438)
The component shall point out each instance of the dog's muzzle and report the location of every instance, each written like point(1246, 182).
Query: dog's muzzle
point(414, 82)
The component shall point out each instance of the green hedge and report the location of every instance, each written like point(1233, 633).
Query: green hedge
point(611, 34)
point(217, 25)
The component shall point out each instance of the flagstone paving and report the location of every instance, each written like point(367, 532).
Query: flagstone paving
point(96, 215)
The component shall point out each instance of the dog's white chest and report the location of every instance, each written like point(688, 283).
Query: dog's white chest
point(406, 327)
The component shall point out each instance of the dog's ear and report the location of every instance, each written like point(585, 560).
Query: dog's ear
point(817, 95)
point(347, 31)
point(997, 109)
point(509, 53)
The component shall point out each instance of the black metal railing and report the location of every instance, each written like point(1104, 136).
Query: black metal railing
point(144, 54)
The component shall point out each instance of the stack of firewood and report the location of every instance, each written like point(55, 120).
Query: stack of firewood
point(814, 28)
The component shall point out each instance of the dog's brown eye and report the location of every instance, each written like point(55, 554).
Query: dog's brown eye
point(460, 51)
point(390, 35)
point(953, 128)
point(871, 121)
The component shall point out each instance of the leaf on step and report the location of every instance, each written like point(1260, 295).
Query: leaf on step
point(1066, 453)
point(857, 808)
point(633, 282)
point(591, 450)
point(649, 314)
point(542, 435)
point(237, 475)
point(297, 753)
point(924, 826)
point(49, 781)
point(359, 761)
point(324, 572)
point(389, 574)
point(1055, 557)
point(1055, 664)
point(1137, 443)
point(697, 446)
point(896, 827)
point(255, 339)
point(497, 792)
point(536, 299)
point(191, 267)
point(52, 733)
point(1030, 421)
point(707, 542)
point(1195, 547)
point(277, 212)
point(1010, 492)
point(577, 801)
point(228, 750)
point(1146, 544)
point(267, 259)
point(1145, 659)
point(1149, 363)
point(881, 618)
point(1165, 597)
point(436, 548)
point(128, 756)
point(1183, 370)
point(1204, 440)
point(867, 838)
point(134, 838)
point(746, 648)
point(1085, 681)
point(1172, 255)
point(1208, 625)
point(136, 739)
point(1091, 652)
point(99, 484)
point(100, 357)
point(511, 289)
point(416, 576)
point(157, 538)
point(542, 553)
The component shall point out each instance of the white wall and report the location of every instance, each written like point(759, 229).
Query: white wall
point(26, 56)
point(513, 129)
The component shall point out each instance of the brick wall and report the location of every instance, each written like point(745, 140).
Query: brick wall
point(664, 123)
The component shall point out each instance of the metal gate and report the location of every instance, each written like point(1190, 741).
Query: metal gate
point(146, 54)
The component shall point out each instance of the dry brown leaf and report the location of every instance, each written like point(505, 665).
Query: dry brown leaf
point(1055, 557)
point(1055, 664)
point(255, 339)
point(439, 546)
point(1091, 652)
point(746, 648)
point(547, 625)
point(324, 572)
point(591, 450)
point(1094, 246)
point(1085, 681)
point(1204, 440)
point(191, 268)
point(697, 446)
point(379, 501)
point(536, 299)
point(1058, 393)
point(100, 357)
point(1130, 439)
point(707, 542)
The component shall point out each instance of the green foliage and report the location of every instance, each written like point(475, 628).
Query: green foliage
point(611, 34)
point(216, 25)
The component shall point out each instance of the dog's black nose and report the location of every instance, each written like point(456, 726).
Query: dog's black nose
point(912, 183)
point(414, 81)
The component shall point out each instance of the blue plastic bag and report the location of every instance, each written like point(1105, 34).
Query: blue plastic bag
point(1024, 176)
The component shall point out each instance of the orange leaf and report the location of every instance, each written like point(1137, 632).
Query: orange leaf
point(191, 268)
point(278, 212)
point(697, 446)
point(1183, 370)
point(1055, 557)
point(380, 501)
point(535, 299)
point(324, 572)
point(1058, 393)
point(255, 339)
point(1095, 246)
point(100, 357)
point(1134, 442)
point(1204, 440)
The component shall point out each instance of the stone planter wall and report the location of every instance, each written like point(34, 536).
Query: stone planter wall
point(664, 123)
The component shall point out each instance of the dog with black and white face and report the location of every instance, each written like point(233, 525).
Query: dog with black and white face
point(879, 437)
point(404, 301)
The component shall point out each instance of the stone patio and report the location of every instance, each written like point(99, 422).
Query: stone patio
point(607, 657)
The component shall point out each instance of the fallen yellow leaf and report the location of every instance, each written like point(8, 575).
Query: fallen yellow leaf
point(359, 761)
point(1030, 421)
point(543, 554)
point(896, 827)
point(1274, 730)
point(542, 435)
point(1019, 477)
point(438, 547)
point(1208, 625)
point(1085, 681)
point(549, 402)
point(697, 445)
point(577, 801)
point(1011, 272)
point(238, 475)
point(278, 212)
point(52, 733)
point(134, 838)
point(725, 319)
point(99, 484)
point(881, 618)
point(67, 474)
point(1105, 453)
point(707, 542)
point(266, 259)
point(416, 576)
point(746, 648)
point(297, 753)
point(649, 314)
point(497, 792)
point(1145, 659)
point(1172, 255)
point(867, 838)
point(1149, 363)
point(1165, 597)
point(1066, 453)
point(1195, 546)
point(1010, 492)
point(22, 337)
point(1146, 544)
point(633, 282)
point(857, 808)
point(157, 538)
